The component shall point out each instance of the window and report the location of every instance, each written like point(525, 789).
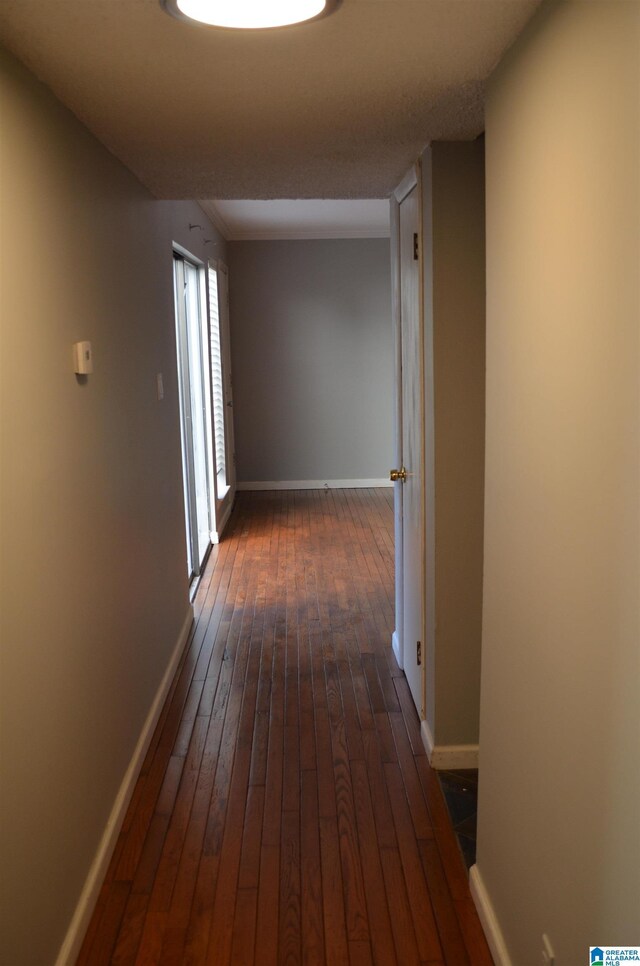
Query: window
point(195, 407)
point(217, 384)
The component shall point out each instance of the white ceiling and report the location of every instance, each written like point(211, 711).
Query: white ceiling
point(257, 220)
point(338, 108)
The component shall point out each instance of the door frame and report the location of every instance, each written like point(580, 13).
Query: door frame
point(412, 179)
point(181, 256)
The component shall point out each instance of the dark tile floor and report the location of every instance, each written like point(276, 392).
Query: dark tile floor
point(460, 789)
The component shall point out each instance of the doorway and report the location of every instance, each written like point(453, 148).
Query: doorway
point(195, 408)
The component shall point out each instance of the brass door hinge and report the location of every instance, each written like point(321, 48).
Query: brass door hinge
point(419, 652)
point(416, 247)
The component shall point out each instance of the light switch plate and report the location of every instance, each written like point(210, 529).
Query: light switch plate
point(82, 358)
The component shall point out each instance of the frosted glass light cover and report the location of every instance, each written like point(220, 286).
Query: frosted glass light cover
point(250, 14)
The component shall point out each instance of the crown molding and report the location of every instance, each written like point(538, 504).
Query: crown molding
point(286, 234)
point(216, 218)
point(290, 235)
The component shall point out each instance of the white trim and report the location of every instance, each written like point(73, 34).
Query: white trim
point(186, 254)
point(285, 234)
point(442, 757)
point(215, 536)
point(307, 234)
point(397, 648)
point(216, 219)
point(313, 484)
point(427, 738)
point(93, 883)
point(407, 184)
point(488, 918)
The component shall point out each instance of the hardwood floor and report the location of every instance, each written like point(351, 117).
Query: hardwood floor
point(286, 812)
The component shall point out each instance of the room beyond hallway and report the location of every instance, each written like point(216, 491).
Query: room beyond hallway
point(286, 811)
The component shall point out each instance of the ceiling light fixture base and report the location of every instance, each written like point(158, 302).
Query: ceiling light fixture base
point(249, 14)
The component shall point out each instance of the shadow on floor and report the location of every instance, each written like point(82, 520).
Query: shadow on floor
point(460, 789)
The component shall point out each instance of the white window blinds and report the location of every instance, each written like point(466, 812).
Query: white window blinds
point(217, 382)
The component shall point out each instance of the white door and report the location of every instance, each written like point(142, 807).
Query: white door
point(410, 573)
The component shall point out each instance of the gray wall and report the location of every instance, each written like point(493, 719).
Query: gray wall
point(558, 834)
point(312, 350)
point(93, 579)
point(454, 226)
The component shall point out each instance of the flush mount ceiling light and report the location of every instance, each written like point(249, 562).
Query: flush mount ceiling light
point(249, 14)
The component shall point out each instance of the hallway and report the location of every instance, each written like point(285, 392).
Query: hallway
point(286, 811)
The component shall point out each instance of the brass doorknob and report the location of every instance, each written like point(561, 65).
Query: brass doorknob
point(396, 475)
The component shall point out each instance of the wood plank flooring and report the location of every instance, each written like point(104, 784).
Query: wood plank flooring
point(286, 812)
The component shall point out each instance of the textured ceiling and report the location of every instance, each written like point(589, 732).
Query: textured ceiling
point(338, 108)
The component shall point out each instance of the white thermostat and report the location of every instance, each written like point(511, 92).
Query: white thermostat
point(82, 358)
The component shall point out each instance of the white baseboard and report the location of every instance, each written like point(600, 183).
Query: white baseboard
point(397, 650)
point(442, 757)
point(314, 484)
point(427, 738)
point(89, 895)
point(217, 534)
point(488, 918)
